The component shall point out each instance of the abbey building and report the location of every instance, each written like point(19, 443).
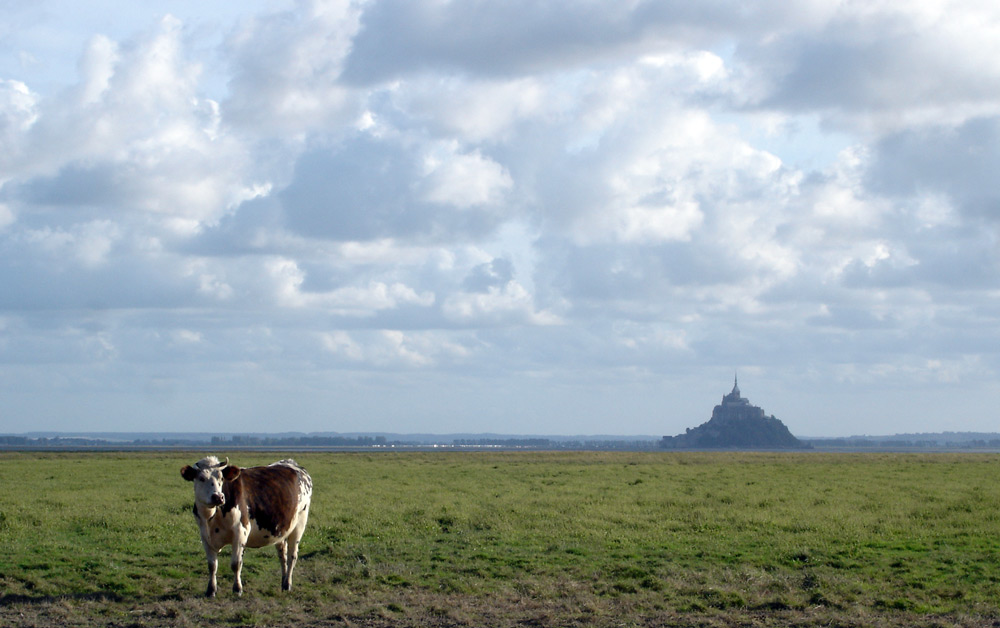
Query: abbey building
point(735, 407)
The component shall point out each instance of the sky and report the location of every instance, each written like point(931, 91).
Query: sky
point(511, 216)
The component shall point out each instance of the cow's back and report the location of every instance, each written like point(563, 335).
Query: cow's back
point(274, 499)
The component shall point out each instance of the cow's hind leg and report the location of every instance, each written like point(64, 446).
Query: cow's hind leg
point(293, 556)
point(292, 551)
point(290, 555)
point(286, 575)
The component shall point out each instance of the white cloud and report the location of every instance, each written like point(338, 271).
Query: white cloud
point(340, 192)
point(341, 343)
point(507, 304)
point(89, 243)
point(652, 337)
point(287, 66)
point(392, 348)
point(655, 224)
point(18, 112)
point(287, 280)
point(6, 216)
point(883, 66)
point(211, 281)
point(133, 134)
point(370, 298)
point(463, 180)
point(186, 336)
point(97, 68)
point(477, 110)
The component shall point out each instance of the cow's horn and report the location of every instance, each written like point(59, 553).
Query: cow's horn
point(221, 464)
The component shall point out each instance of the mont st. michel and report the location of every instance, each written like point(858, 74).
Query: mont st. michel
point(736, 424)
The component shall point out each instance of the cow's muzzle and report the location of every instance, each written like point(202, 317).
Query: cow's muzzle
point(218, 499)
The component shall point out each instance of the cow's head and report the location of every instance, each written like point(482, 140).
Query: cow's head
point(208, 474)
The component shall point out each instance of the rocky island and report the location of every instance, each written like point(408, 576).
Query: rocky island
point(736, 424)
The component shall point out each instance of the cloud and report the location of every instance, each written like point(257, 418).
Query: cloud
point(489, 275)
point(463, 180)
point(563, 199)
point(368, 188)
point(133, 134)
point(18, 112)
point(88, 244)
point(521, 37)
point(392, 348)
point(476, 108)
point(883, 66)
point(287, 66)
point(350, 300)
point(506, 304)
point(958, 162)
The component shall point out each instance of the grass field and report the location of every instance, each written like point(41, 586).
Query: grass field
point(520, 539)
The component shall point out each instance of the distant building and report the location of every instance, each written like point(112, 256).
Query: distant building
point(735, 407)
point(736, 424)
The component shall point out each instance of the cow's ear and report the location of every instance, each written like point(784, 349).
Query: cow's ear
point(189, 473)
point(230, 473)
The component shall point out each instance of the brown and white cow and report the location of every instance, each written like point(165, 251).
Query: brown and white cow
point(250, 507)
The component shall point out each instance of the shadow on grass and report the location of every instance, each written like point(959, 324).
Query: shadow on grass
point(93, 596)
point(423, 609)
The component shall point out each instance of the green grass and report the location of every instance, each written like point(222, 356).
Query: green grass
point(513, 538)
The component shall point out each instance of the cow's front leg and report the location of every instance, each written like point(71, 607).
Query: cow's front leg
point(237, 565)
point(213, 567)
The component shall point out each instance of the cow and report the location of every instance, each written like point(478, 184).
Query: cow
point(249, 507)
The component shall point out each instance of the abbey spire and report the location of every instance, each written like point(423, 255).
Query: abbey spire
point(734, 398)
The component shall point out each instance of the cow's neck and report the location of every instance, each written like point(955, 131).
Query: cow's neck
point(205, 513)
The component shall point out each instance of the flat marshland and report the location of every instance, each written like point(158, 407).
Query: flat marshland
point(519, 539)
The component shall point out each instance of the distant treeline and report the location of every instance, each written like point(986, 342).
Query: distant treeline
point(898, 444)
point(238, 441)
point(74, 442)
point(324, 441)
point(551, 444)
point(57, 442)
point(246, 441)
